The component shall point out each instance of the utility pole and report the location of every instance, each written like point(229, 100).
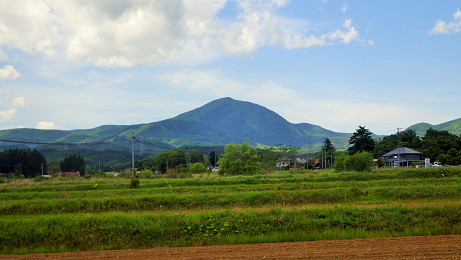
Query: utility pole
point(132, 152)
point(398, 145)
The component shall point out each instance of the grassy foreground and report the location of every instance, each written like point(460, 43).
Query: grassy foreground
point(71, 215)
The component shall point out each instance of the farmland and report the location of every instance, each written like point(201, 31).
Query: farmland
point(67, 214)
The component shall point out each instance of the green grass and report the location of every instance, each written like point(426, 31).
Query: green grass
point(70, 215)
point(122, 231)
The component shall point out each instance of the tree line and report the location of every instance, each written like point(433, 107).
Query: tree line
point(437, 145)
point(22, 163)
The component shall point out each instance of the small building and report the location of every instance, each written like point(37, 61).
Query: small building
point(284, 162)
point(401, 157)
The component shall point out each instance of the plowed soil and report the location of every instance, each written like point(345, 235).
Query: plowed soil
point(430, 247)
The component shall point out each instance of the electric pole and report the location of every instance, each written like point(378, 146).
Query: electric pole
point(398, 145)
point(132, 152)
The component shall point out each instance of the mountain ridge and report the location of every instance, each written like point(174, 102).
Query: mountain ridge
point(452, 126)
point(218, 122)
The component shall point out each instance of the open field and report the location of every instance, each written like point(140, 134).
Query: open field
point(431, 247)
point(71, 215)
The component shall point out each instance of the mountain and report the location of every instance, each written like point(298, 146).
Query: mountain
point(219, 122)
point(453, 126)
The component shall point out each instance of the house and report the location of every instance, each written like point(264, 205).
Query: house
point(407, 157)
point(284, 162)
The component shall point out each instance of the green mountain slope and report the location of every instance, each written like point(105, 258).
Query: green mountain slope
point(453, 126)
point(217, 123)
point(258, 124)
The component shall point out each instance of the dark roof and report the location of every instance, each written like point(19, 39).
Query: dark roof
point(284, 158)
point(401, 150)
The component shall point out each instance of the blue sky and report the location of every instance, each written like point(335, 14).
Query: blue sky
point(79, 64)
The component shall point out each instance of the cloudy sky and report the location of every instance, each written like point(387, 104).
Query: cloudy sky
point(79, 64)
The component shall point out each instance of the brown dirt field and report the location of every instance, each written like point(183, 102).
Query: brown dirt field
point(429, 247)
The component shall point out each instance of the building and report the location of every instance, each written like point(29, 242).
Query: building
point(401, 157)
point(284, 163)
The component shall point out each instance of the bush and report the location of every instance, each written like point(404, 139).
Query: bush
point(147, 173)
point(197, 167)
point(239, 159)
point(134, 180)
point(358, 162)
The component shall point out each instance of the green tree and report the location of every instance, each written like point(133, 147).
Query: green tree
point(361, 141)
point(408, 138)
point(197, 167)
point(339, 164)
point(438, 143)
point(146, 163)
point(170, 160)
point(269, 155)
point(53, 168)
point(73, 163)
point(359, 162)
point(25, 162)
point(213, 158)
point(328, 150)
point(239, 159)
point(194, 157)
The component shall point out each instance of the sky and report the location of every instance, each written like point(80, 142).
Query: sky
point(79, 64)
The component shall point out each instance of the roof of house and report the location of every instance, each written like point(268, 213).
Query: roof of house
point(283, 159)
point(401, 150)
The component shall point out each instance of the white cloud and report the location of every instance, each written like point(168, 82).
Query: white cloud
point(451, 27)
point(129, 33)
point(11, 127)
point(47, 125)
point(20, 102)
point(7, 115)
point(9, 73)
point(344, 36)
point(3, 56)
point(217, 85)
point(371, 43)
point(344, 8)
point(29, 25)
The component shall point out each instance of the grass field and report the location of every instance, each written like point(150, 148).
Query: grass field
point(68, 214)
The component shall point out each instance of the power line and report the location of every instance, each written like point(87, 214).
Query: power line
point(152, 144)
point(48, 143)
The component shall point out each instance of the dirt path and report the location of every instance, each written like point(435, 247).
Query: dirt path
point(432, 247)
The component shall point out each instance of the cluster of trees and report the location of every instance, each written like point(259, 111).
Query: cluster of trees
point(437, 145)
point(73, 163)
point(23, 163)
point(179, 161)
point(240, 159)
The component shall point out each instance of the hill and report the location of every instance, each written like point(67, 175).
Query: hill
point(453, 126)
point(219, 122)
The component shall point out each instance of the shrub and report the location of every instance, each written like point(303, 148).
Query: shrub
point(239, 159)
point(134, 180)
point(197, 167)
point(147, 173)
point(358, 162)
